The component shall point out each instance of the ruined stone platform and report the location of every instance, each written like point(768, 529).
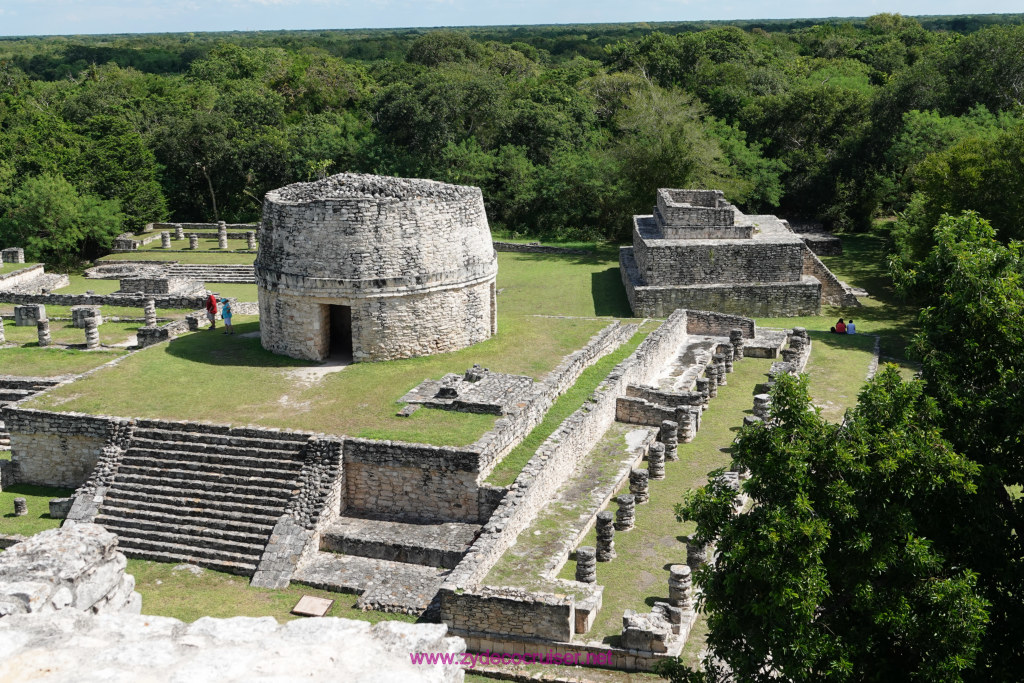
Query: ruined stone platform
point(431, 545)
point(494, 393)
point(381, 584)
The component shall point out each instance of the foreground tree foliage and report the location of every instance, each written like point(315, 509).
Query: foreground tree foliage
point(842, 570)
point(971, 348)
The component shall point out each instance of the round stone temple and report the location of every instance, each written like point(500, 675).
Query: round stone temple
point(376, 267)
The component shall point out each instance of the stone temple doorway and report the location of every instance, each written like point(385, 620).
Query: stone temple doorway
point(341, 331)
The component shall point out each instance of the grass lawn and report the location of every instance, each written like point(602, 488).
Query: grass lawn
point(11, 267)
point(170, 592)
point(236, 241)
point(558, 284)
point(38, 517)
point(181, 257)
point(232, 379)
point(80, 285)
point(639, 575)
point(509, 468)
point(63, 332)
point(236, 290)
point(32, 361)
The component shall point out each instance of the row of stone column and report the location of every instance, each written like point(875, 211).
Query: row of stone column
point(193, 239)
point(665, 448)
point(85, 317)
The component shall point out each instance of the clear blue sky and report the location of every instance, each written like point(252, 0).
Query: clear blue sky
point(38, 17)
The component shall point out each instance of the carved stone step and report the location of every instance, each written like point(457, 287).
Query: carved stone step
point(185, 536)
point(195, 508)
point(172, 497)
point(168, 542)
point(432, 545)
point(383, 585)
point(211, 462)
point(238, 528)
point(207, 479)
point(246, 568)
point(264, 455)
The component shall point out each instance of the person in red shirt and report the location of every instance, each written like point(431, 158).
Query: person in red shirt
point(840, 327)
point(211, 311)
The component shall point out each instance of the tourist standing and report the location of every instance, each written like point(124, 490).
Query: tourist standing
point(211, 310)
point(225, 313)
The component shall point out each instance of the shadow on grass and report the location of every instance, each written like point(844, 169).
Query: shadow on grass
point(609, 294)
point(215, 348)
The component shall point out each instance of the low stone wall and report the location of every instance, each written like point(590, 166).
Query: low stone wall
point(76, 567)
point(416, 481)
point(463, 598)
point(55, 449)
point(148, 336)
point(513, 610)
point(129, 300)
point(162, 285)
point(832, 290)
point(510, 430)
point(197, 227)
point(537, 248)
point(20, 277)
point(715, 324)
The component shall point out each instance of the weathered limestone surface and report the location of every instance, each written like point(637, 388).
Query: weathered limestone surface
point(412, 259)
point(127, 648)
point(698, 251)
point(75, 567)
point(55, 449)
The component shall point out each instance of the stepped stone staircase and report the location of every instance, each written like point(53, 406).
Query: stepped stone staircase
point(213, 272)
point(393, 565)
point(209, 498)
point(13, 389)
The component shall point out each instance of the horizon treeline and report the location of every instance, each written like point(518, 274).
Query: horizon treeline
point(569, 130)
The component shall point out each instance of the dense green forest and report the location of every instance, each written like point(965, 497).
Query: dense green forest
point(568, 129)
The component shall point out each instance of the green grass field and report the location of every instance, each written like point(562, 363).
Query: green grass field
point(233, 290)
point(80, 285)
point(32, 361)
point(232, 379)
point(11, 267)
point(181, 256)
point(236, 242)
point(38, 517)
point(170, 590)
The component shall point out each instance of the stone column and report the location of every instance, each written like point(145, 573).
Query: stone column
point(719, 360)
point(20, 507)
point(3, 337)
point(762, 403)
point(801, 332)
point(193, 241)
point(680, 585)
point(687, 424)
point(43, 330)
point(165, 240)
point(605, 536)
point(625, 516)
point(638, 485)
point(728, 359)
point(59, 507)
point(711, 371)
point(92, 333)
point(586, 564)
point(669, 435)
point(179, 232)
point(703, 385)
point(736, 339)
point(655, 462)
point(149, 311)
point(250, 238)
point(222, 235)
point(696, 555)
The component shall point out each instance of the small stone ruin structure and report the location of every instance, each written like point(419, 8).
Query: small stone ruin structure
point(378, 267)
point(698, 251)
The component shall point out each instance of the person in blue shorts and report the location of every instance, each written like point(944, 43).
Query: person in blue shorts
point(225, 313)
